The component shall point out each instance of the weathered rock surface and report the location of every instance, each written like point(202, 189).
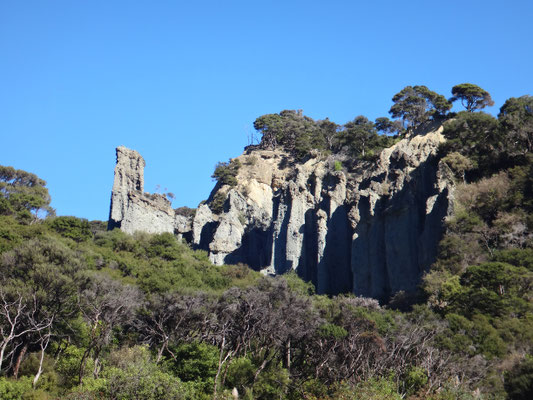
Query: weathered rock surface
point(372, 232)
point(132, 209)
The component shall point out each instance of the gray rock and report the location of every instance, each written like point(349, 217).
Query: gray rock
point(133, 210)
point(373, 233)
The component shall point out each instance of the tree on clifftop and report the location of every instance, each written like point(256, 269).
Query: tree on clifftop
point(271, 127)
point(416, 104)
point(472, 96)
point(516, 117)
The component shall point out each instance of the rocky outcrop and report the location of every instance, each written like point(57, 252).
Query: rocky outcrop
point(133, 210)
point(372, 231)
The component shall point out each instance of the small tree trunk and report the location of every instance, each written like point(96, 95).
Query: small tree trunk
point(82, 365)
point(160, 352)
point(19, 360)
point(3, 350)
point(44, 345)
point(96, 369)
point(288, 355)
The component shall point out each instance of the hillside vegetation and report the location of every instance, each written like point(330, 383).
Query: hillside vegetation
point(87, 313)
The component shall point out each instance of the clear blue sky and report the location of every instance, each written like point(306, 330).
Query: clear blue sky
point(183, 81)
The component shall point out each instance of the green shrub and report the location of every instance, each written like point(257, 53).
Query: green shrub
point(518, 381)
point(415, 379)
point(77, 229)
point(217, 204)
point(240, 374)
point(186, 211)
point(11, 389)
point(226, 172)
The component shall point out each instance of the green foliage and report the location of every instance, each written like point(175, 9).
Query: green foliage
point(416, 104)
point(482, 279)
point(217, 203)
point(472, 96)
point(495, 289)
point(23, 195)
point(271, 127)
point(458, 163)
point(414, 380)
point(375, 389)
point(74, 228)
point(332, 331)
point(388, 127)
point(226, 172)
point(359, 135)
point(516, 118)
point(68, 363)
point(295, 132)
point(49, 379)
point(195, 362)
point(241, 374)
point(133, 375)
point(337, 166)
point(186, 211)
point(301, 135)
point(516, 257)
point(11, 389)
point(477, 136)
point(519, 380)
point(298, 285)
point(272, 383)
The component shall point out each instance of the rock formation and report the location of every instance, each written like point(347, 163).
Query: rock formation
point(132, 209)
point(372, 231)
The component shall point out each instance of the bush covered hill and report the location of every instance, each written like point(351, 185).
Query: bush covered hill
point(87, 313)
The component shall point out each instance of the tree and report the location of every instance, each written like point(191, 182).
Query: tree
point(328, 130)
point(105, 304)
point(519, 380)
point(476, 136)
point(166, 318)
point(516, 118)
point(271, 127)
point(23, 194)
point(472, 96)
point(388, 127)
point(359, 135)
point(416, 104)
point(226, 172)
point(77, 229)
point(294, 131)
point(38, 283)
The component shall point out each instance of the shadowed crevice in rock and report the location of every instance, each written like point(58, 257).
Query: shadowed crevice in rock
point(307, 268)
point(336, 259)
point(256, 249)
point(206, 236)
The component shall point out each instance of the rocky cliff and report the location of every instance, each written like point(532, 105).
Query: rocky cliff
point(372, 231)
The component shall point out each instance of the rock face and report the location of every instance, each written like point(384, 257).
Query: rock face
point(133, 210)
point(373, 231)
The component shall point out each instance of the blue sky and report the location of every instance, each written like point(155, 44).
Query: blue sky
point(182, 82)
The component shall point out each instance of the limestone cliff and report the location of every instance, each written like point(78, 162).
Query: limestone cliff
point(372, 231)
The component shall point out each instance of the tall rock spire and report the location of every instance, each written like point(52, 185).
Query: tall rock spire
point(129, 177)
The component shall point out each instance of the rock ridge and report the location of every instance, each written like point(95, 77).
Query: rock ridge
point(373, 232)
